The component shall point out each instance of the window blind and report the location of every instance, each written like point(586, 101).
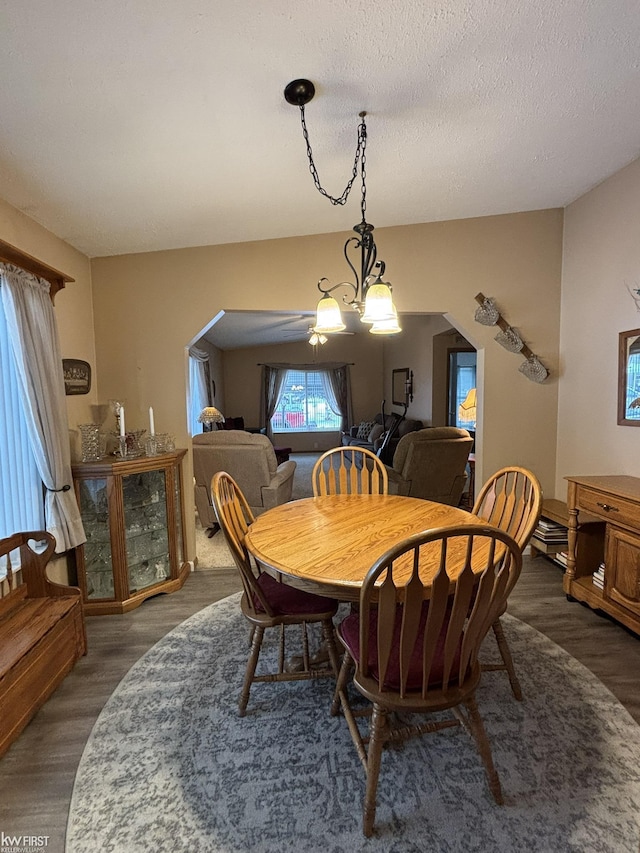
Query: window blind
point(21, 496)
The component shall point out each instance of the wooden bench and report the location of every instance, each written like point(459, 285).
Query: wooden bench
point(42, 632)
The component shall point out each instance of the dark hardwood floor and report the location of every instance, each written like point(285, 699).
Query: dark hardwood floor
point(38, 771)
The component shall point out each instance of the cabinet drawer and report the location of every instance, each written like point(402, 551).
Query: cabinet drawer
point(612, 508)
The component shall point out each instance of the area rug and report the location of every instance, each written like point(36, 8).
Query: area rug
point(170, 766)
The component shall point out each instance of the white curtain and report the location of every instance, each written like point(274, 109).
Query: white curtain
point(198, 387)
point(34, 343)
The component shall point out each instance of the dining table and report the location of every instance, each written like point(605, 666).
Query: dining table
point(328, 544)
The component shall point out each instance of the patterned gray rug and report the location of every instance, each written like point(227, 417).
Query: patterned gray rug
point(171, 767)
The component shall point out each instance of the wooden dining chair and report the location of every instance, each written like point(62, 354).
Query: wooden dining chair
point(266, 602)
point(415, 646)
point(511, 500)
point(349, 471)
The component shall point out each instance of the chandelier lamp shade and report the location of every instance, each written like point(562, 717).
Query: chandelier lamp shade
point(386, 327)
point(370, 296)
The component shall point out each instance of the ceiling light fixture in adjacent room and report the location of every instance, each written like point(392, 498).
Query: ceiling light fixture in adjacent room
point(371, 295)
point(317, 338)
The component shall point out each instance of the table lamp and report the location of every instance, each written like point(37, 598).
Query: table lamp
point(208, 416)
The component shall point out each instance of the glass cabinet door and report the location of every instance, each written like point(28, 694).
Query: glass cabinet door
point(178, 496)
point(94, 509)
point(146, 532)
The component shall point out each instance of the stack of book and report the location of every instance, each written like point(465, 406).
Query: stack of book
point(598, 577)
point(550, 532)
point(561, 557)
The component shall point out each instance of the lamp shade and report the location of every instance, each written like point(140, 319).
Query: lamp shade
point(467, 410)
point(317, 339)
point(387, 327)
point(328, 316)
point(210, 415)
point(378, 304)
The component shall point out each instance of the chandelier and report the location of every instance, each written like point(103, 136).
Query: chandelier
point(371, 296)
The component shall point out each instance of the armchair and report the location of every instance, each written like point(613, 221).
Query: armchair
point(430, 464)
point(250, 459)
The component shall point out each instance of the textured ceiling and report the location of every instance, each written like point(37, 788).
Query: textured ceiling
point(151, 124)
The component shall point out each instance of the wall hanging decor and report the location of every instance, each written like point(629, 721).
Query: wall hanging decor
point(77, 376)
point(509, 338)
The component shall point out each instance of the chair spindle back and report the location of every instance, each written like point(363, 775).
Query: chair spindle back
point(349, 471)
point(511, 500)
point(479, 562)
point(234, 517)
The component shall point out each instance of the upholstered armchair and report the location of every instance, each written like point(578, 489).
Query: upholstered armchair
point(430, 464)
point(250, 459)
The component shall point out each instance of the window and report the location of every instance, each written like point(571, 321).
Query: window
point(462, 380)
point(305, 404)
point(21, 496)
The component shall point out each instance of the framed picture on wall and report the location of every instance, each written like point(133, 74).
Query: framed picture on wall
point(77, 376)
point(401, 386)
point(629, 378)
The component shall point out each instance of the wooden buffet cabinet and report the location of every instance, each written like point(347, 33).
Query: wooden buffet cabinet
point(616, 501)
point(133, 515)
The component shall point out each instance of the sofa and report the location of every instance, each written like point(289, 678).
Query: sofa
point(370, 434)
point(250, 459)
point(431, 464)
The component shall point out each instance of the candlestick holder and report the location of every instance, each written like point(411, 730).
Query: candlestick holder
point(115, 406)
point(151, 446)
point(130, 445)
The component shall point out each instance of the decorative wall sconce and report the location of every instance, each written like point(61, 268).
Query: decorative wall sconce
point(508, 337)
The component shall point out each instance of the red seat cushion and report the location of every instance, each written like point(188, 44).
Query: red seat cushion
point(349, 630)
point(285, 600)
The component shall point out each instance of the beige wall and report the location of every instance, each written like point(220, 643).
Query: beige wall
point(149, 307)
point(414, 349)
point(601, 256)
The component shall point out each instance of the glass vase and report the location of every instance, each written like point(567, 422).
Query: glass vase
point(90, 442)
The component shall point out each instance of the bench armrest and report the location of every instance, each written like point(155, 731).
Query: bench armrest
point(33, 564)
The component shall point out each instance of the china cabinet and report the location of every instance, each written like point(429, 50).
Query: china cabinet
point(614, 500)
point(133, 516)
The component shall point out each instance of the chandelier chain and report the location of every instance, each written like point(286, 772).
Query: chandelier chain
point(363, 172)
point(359, 158)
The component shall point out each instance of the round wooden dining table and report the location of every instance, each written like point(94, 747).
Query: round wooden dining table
point(328, 544)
